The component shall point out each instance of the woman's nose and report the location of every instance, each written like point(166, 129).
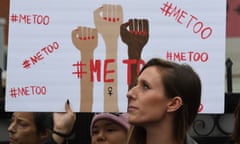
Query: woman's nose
point(11, 127)
point(131, 93)
point(101, 136)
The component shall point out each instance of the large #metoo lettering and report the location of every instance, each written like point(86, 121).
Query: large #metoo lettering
point(95, 67)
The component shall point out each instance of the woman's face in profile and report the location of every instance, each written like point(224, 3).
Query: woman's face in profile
point(147, 101)
point(108, 132)
point(22, 129)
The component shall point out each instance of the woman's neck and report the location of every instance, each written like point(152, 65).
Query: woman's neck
point(161, 133)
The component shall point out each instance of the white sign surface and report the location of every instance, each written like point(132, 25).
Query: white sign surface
point(89, 51)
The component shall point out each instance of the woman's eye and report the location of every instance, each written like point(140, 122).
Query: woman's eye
point(22, 124)
point(145, 86)
point(111, 129)
point(95, 132)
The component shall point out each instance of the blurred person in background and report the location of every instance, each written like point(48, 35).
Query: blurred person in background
point(30, 127)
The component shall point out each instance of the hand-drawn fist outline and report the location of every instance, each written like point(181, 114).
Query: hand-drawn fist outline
point(135, 33)
point(108, 19)
point(85, 39)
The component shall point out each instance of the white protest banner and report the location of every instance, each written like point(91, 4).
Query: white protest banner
point(90, 51)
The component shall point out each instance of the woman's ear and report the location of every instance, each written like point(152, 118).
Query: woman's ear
point(174, 104)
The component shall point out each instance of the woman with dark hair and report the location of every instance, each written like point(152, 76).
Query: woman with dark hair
point(163, 103)
point(29, 127)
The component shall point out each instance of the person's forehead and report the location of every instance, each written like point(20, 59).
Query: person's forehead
point(151, 72)
point(27, 116)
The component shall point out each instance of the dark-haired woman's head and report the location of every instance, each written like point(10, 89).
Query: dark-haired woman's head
point(164, 89)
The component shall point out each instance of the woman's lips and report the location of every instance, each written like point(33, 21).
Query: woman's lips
point(12, 140)
point(131, 108)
